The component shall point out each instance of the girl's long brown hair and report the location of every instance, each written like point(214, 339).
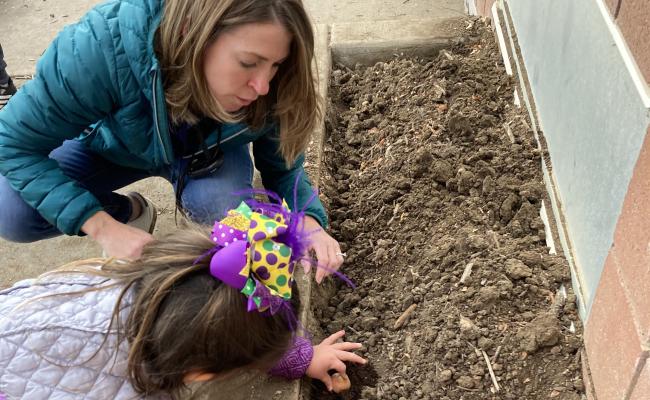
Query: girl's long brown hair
point(181, 319)
point(188, 28)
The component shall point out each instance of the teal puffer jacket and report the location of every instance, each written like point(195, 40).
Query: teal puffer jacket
point(102, 73)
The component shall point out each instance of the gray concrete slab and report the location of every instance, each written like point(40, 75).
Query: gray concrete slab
point(341, 11)
point(364, 43)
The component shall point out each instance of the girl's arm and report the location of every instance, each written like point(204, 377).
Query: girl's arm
point(317, 361)
point(294, 363)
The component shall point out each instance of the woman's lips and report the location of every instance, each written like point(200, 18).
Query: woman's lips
point(244, 102)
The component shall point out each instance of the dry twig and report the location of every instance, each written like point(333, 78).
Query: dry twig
point(489, 365)
point(466, 273)
point(402, 319)
point(496, 355)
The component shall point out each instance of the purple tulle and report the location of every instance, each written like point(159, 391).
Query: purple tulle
point(266, 298)
point(340, 275)
point(203, 256)
point(294, 236)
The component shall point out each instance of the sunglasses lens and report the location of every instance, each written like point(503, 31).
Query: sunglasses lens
point(204, 166)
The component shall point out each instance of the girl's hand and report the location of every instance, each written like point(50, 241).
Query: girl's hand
point(330, 355)
point(116, 239)
point(327, 249)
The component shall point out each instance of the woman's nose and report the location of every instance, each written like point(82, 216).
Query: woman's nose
point(260, 83)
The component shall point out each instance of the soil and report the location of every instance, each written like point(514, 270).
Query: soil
point(433, 184)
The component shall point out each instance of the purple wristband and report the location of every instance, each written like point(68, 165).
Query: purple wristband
point(295, 362)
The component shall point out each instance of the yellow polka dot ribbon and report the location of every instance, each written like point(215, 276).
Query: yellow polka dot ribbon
point(251, 255)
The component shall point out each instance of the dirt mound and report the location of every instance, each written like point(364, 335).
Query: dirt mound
point(434, 186)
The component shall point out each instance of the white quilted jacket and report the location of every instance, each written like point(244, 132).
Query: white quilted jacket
point(46, 345)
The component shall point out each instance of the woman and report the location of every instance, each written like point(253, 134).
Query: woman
point(175, 89)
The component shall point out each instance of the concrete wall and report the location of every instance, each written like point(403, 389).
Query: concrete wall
point(593, 116)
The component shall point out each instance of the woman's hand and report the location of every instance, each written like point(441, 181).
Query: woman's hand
point(330, 355)
point(116, 239)
point(327, 249)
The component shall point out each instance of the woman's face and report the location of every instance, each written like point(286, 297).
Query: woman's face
point(240, 64)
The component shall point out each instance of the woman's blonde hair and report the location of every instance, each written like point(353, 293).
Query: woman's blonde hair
point(188, 28)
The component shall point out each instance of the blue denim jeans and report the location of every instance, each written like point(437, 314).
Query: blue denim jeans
point(204, 199)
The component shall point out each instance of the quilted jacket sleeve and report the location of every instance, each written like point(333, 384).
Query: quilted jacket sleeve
point(75, 85)
point(277, 177)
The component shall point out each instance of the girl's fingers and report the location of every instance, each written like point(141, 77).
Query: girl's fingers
point(347, 346)
point(333, 338)
point(347, 356)
point(338, 365)
point(327, 380)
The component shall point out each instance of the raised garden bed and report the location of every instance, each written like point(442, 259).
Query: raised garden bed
point(433, 183)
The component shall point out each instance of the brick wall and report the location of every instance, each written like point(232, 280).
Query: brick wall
point(617, 333)
point(633, 19)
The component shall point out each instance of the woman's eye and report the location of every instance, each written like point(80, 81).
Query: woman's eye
point(247, 65)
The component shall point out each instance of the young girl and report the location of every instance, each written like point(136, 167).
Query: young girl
point(192, 308)
point(173, 88)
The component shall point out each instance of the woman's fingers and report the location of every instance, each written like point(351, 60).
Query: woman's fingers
point(328, 253)
point(335, 256)
point(323, 259)
point(306, 266)
point(327, 249)
point(320, 274)
point(330, 257)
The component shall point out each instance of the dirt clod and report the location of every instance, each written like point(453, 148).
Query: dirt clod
point(517, 269)
point(543, 331)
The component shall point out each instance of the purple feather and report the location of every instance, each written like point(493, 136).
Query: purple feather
point(295, 236)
